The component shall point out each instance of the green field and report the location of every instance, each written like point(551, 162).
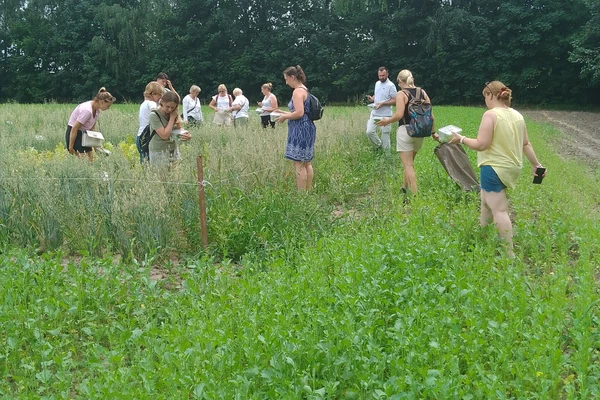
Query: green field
point(343, 292)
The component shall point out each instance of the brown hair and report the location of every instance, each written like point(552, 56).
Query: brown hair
point(268, 86)
point(499, 91)
point(169, 97)
point(153, 88)
point(103, 95)
point(296, 72)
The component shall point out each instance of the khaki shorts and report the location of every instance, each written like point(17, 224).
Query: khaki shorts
point(222, 118)
point(405, 142)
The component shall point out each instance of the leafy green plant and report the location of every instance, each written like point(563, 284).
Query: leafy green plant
point(344, 292)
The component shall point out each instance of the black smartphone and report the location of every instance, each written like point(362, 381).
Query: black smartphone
point(540, 175)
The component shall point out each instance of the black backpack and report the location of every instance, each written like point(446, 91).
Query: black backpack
point(146, 137)
point(315, 109)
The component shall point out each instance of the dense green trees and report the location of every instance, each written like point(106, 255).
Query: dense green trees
point(547, 50)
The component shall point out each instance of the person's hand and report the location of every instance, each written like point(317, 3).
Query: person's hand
point(382, 122)
point(169, 84)
point(377, 106)
point(455, 139)
point(259, 103)
point(370, 98)
point(71, 150)
point(435, 136)
point(173, 115)
point(534, 170)
point(281, 119)
point(185, 136)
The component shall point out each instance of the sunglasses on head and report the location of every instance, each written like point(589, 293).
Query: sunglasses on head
point(487, 85)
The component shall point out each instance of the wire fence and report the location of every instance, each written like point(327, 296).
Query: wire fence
point(105, 178)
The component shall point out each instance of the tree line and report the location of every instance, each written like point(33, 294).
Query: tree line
point(548, 51)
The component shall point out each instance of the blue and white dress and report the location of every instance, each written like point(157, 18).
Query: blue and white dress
point(301, 136)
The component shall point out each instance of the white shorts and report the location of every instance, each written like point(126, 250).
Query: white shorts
point(405, 142)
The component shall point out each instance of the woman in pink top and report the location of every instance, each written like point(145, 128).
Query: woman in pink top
point(83, 118)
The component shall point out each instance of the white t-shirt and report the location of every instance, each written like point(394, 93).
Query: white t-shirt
point(244, 103)
point(145, 108)
point(266, 104)
point(384, 91)
point(192, 108)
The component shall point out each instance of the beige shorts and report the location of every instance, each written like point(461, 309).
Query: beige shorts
point(222, 118)
point(405, 142)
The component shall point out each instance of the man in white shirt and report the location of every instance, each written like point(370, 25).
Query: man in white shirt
point(383, 99)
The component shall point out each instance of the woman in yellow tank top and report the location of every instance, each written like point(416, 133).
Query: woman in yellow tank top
point(501, 142)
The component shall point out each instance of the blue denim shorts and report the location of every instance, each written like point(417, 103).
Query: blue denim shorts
point(490, 181)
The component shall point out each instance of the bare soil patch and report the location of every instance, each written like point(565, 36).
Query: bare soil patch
point(581, 133)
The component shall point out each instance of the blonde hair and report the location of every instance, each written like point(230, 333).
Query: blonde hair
point(195, 88)
point(268, 86)
point(237, 91)
point(499, 91)
point(407, 77)
point(153, 88)
point(222, 86)
point(104, 95)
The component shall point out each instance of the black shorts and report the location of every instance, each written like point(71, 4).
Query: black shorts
point(266, 120)
point(77, 147)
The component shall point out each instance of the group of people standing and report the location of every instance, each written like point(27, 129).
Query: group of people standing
point(230, 111)
point(501, 139)
point(159, 112)
point(501, 142)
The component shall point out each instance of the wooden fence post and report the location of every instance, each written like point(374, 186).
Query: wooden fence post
point(201, 202)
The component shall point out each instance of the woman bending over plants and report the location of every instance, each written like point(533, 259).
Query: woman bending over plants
point(84, 118)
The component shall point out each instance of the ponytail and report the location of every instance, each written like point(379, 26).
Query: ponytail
point(296, 72)
point(104, 95)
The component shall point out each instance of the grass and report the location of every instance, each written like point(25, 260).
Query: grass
point(341, 293)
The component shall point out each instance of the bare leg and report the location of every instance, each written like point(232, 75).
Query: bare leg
point(410, 177)
point(486, 214)
point(309, 175)
point(301, 175)
point(498, 205)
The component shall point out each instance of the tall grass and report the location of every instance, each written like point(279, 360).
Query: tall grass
point(345, 292)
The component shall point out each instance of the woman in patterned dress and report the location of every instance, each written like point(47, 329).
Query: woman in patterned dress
point(300, 146)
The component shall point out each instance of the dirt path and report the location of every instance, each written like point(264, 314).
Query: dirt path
point(581, 133)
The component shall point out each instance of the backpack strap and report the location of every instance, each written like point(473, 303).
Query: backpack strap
point(161, 122)
point(419, 94)
point(307, 91)
point(195, 104)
